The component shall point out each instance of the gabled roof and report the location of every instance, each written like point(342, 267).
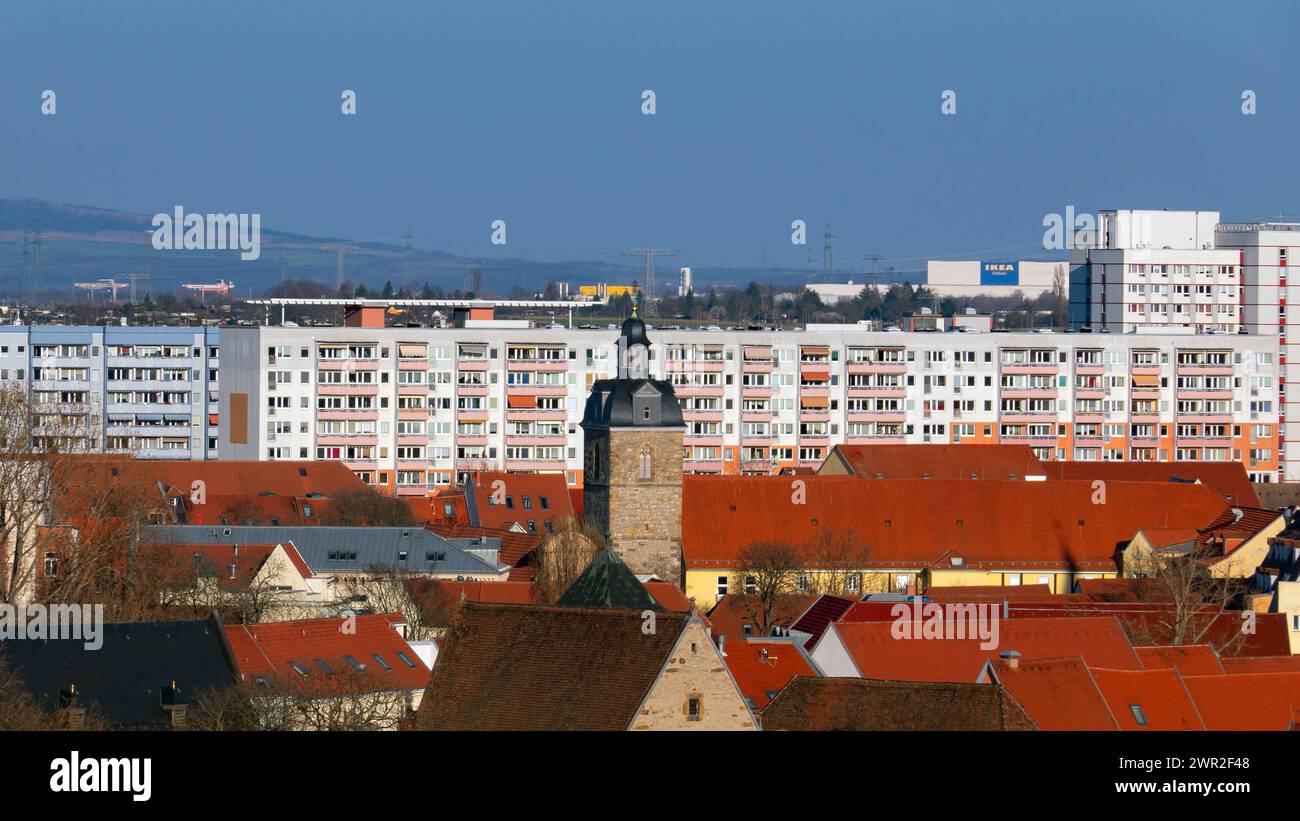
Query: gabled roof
point(536, 497)
point(1056, 693)
point(1187, 659)
point(863, 704)
point(1002, 462)
point(762, 667)
point(1261, 664)
point(271, 650)
point(124, 678)
point(266, 489)
point(878, 653)
point(247, 560)
point(1228, 479)
point(819, 615)
point(514, 667)
point(730, 615)
point(1247, 701)
point(330, 549)
point(607, 582)
point(938, 523)
point(669, 596)
point(1148, 699)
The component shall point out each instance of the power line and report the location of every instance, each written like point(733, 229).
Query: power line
point(649, 253)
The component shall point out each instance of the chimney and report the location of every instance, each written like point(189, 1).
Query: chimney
point(74, 717)
point(762, 654)
point(1011, 657)
point(173, 705)
point(722, 645)
point(1237, 513)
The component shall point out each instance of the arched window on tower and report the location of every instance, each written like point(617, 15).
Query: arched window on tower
point(647, 464)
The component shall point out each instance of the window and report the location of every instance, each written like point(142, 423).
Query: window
point(693, 709)
point(354, 664)
point(380, 661)
point(51, 564)
point(406, 660)
point(322, 665)
point(722, 586)
point(1138, 716)
point(646, 470)
point(298, 668)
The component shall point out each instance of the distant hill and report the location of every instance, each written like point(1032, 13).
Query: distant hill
point(81, 243)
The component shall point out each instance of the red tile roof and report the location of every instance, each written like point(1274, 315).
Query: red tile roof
point(267, 650)
point(938, 461)
point(878, 654)
point(928, 523)
point(261, 490)
point(730, 615)
point(524, 496)
point(1187, 659)
point(1229, 479)
point(761, 667)
point(247, 559)
point(858, 704)
point(819, 615)
point(1261, 664)
point(1158, 695)
point(987, 592)
point(669, 597)
point(1247, 701)
point(1057, 693)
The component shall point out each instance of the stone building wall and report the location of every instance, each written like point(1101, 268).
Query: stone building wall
point(695, 671)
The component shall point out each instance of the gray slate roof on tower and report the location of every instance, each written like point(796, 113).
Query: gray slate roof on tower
point(607, 582)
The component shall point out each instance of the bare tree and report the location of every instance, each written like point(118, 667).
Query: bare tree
point(387, 589)
point(344, 701)
point(835, 564)
point(1186, 599)
point(559, 560)
point(765, 573)
point(1060, 297)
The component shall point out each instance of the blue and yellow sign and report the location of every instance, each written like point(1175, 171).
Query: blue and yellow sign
point(999, 273)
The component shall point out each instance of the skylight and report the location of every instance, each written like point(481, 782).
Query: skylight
point(380, 659)
point(406, 660)
point(298, 668)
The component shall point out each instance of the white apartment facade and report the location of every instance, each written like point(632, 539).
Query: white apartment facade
point(1265, 251)
point(146, 391)
point(412, 409)
point(1154, 269)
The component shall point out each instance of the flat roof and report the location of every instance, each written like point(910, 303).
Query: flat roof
point(430, 303)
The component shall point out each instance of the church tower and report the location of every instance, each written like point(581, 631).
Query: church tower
point(632, 448)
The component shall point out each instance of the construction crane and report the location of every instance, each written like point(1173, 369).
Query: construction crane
point(110, 285)
point(220, 287)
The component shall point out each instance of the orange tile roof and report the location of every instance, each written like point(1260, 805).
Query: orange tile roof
point(267, 650)
point(520, 490)
point(1247, 701)
point(927, 523)
point(1187, 659)
point(669, 596)
point(877, 653)
point(1057, 693)
point(248, 559)
point(1261, 664)
point(939, 461)
point(1159, 695)
point(1229, 479)
point(730, 616)
point(761, 667)
point(502, 592)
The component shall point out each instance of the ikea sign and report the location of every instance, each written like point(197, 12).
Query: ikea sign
point(999, 273)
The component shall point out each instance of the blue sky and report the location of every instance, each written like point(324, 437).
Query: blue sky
point(766, 112)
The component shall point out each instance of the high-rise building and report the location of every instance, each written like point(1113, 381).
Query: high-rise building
point(411, 409)
point(148, 391)
point(1154, 269)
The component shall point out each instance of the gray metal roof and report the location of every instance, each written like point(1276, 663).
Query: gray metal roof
point(330, 549)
